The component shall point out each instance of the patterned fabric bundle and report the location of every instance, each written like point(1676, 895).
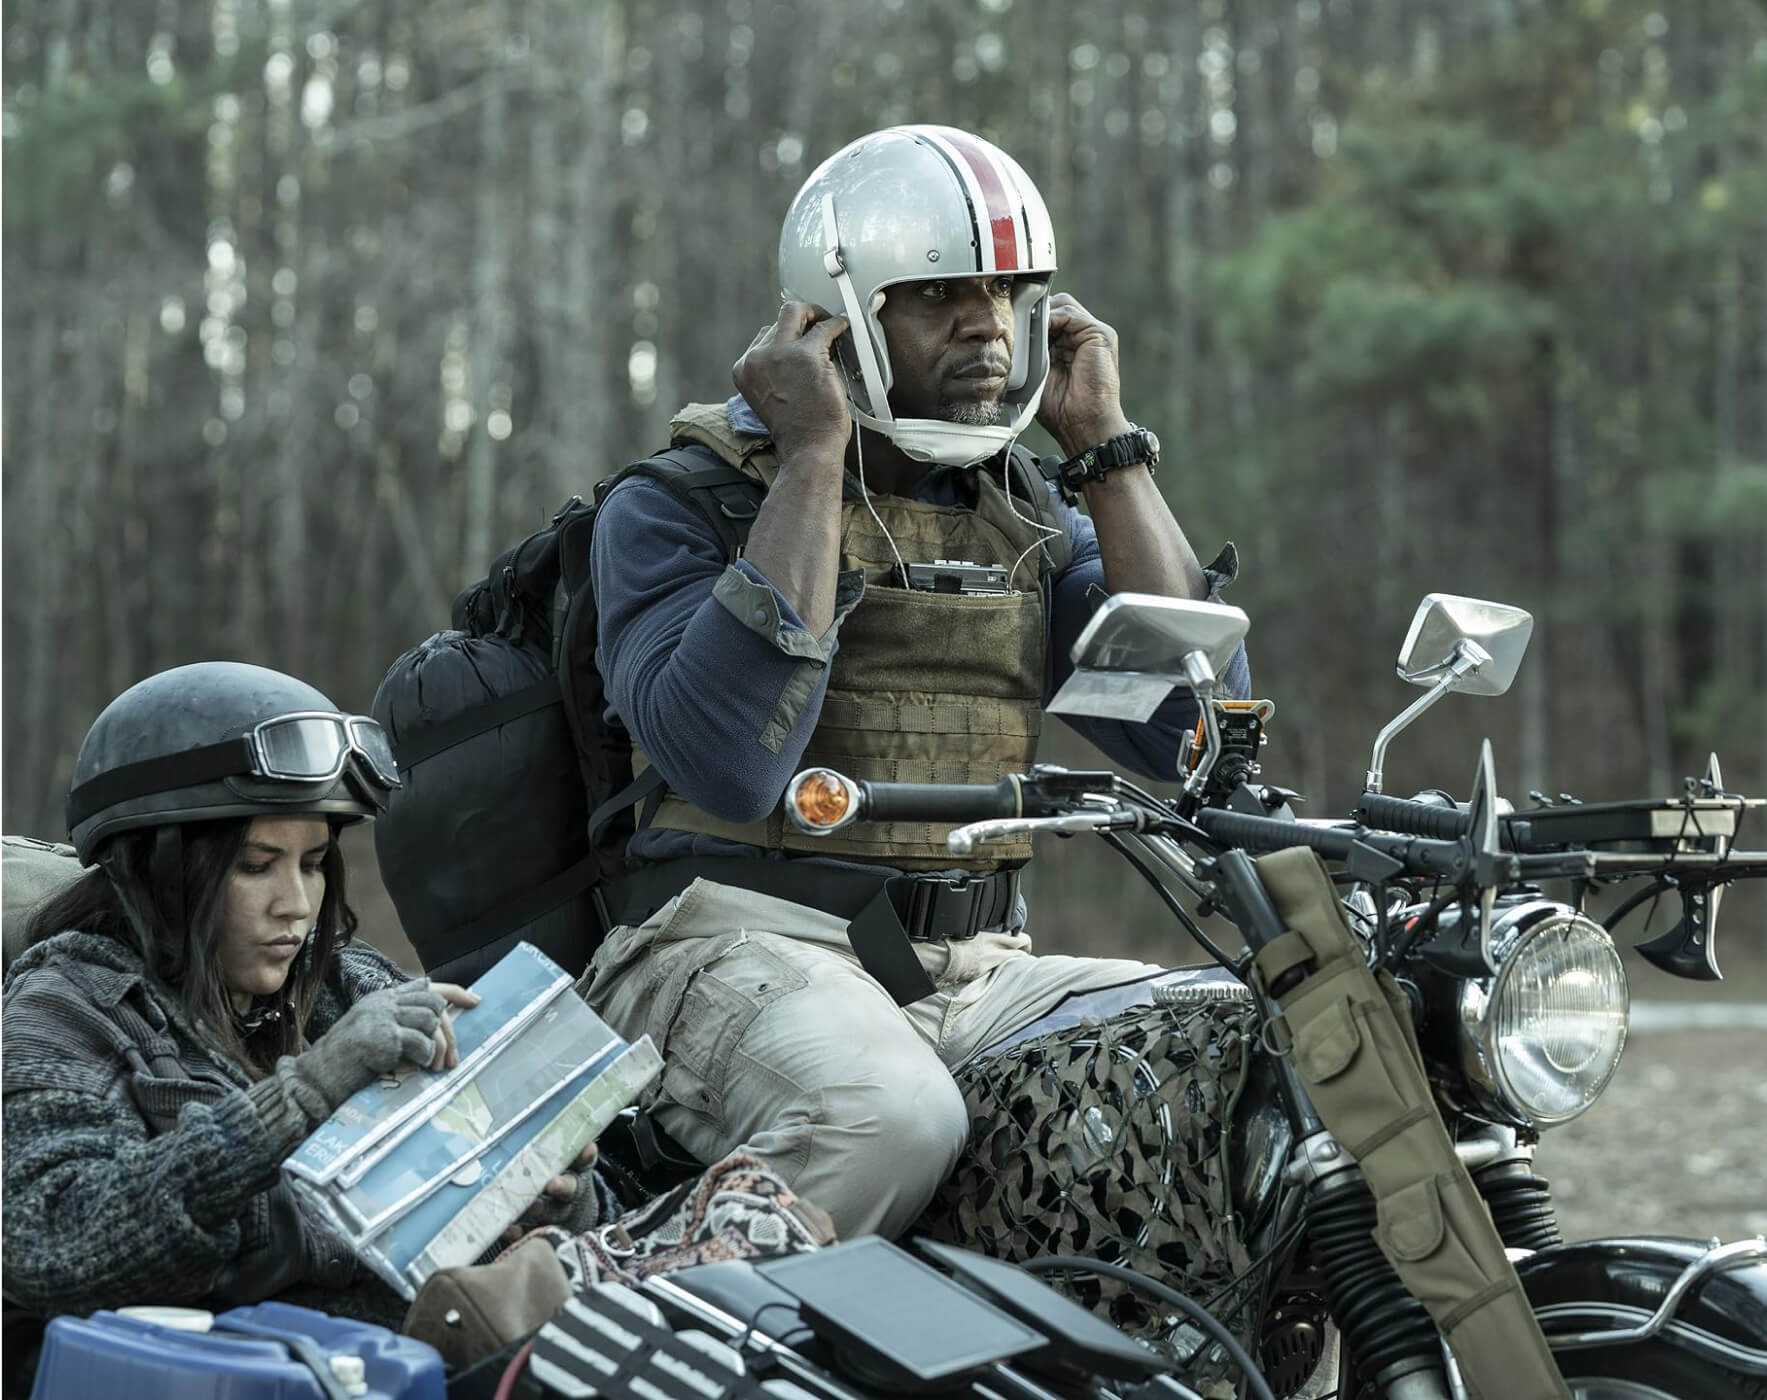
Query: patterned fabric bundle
point(735, 1209)
point(1108, 1140)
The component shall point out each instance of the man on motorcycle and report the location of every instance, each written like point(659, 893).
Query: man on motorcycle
point(911, 588)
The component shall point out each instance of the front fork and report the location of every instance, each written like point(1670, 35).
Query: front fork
point(1389, 1341)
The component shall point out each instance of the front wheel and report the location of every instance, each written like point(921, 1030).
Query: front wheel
point(1654, 1370)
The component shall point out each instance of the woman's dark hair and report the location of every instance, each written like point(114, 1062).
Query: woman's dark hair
point(126, 899)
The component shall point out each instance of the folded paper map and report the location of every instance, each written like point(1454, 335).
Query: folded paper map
point(424, 1169)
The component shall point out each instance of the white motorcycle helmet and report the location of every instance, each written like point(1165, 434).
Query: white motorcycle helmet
point(912, 204)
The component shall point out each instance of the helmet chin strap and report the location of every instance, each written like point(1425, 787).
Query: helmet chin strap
point(857, 326)
point(934, 440)
point(921, 439)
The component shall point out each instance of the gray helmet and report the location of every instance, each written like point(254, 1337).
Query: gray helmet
point(223, 739)
point(911, 204)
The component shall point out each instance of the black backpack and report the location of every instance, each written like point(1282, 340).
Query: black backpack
point(517, 793)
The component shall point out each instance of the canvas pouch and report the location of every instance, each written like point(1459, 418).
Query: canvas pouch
point(1355, 1050)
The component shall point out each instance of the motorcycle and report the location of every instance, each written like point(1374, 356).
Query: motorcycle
point(1160, 1152)
point(1162, 1131)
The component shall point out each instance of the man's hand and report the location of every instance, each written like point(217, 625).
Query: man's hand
point(790, 379)
point(567, 1200)
point(1082, 400)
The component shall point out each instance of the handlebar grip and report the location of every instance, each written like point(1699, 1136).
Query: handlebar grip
point(1417, 854)
point(939, 802)
point(1270, 834)
point(1417, 818)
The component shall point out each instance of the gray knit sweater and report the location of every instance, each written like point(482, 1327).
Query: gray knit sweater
point(137, 1166)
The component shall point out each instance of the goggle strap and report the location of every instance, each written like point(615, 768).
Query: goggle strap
point(231, 758)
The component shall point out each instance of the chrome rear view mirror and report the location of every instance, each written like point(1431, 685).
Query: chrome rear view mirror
point(1467, 645)
point(1448, 632)
point(1138, 647)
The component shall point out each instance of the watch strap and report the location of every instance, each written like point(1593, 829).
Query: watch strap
point(1137, 446)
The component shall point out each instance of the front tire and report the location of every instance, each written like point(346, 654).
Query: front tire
point(1653, 1370)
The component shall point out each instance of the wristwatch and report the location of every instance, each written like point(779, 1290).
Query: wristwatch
point(1138, 445)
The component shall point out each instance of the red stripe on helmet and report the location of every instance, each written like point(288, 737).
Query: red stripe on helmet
point(1002, 219)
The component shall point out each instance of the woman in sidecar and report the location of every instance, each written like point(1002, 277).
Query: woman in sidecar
point(189, 1010)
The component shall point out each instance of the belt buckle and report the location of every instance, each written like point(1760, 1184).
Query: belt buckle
point(976, 887)
point(923, 904)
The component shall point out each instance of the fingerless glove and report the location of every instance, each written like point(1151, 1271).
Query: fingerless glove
point(385, 1029)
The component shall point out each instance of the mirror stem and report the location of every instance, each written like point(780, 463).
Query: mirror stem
point(1468, 656)
point(1202, 681)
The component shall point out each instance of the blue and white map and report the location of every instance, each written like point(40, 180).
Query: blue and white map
point(425, 1169)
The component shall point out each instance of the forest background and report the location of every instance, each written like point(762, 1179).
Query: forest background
point(312, 306)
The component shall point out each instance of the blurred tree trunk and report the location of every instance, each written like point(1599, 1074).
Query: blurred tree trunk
point(490, 325)
point(590, 199)
point(553, 52)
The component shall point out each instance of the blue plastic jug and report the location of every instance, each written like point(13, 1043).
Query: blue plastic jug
point(272, 1351)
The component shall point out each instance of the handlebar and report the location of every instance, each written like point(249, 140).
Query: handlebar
point(1409, 815)
point(820, 800)
point(1418, 838)
point(940, 802)
point(1416, 854)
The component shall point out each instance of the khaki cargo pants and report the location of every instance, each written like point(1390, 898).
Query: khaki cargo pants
point(776, 1042)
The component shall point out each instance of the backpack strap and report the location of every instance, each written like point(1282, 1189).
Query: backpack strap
point(728, 497)
point(433, 739)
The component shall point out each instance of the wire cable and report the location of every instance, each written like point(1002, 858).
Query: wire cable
point(1179, 912)
point(1068, 1263)
point(742, 1343)
point(1652, 891)
point(512, 1372)
point(1424, 923)
point(1285, 1240)
point(865, 494)
point(1045, 533)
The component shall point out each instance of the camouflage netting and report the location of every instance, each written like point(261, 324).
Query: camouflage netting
point(1107, 1140)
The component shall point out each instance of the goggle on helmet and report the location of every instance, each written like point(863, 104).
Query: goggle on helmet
point(913, 204)
point(224, 739)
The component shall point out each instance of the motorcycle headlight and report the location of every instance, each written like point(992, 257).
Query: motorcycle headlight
point(1543, 1037)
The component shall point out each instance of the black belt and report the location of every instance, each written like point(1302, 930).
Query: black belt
point(885, 912)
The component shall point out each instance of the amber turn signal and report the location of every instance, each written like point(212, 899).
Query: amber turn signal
point(820, 799)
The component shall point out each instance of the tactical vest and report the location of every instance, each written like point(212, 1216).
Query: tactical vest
point(925, 687)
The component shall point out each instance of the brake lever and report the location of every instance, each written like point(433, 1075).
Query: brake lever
point(963, 840)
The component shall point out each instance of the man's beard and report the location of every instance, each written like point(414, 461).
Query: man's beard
point(972, 413)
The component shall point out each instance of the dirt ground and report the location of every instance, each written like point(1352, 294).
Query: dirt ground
point(1677, 1145)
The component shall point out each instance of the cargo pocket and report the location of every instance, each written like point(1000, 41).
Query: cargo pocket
point(1341, 1060)
point(720, 1004)
point(1325, 1045)
point(1418, 1230)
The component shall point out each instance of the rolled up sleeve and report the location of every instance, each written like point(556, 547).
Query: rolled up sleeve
point(705, 662)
